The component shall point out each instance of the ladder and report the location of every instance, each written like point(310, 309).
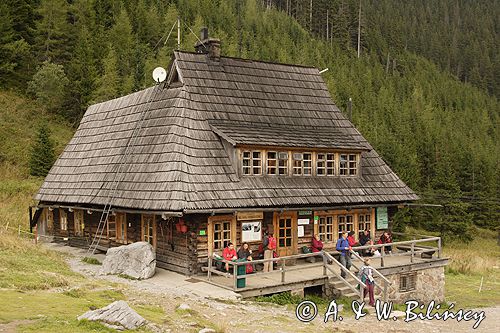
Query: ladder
point(117, 178)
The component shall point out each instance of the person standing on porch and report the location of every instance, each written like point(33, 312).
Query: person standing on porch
point(269, 245)
point(366, 276)
point(345, 256)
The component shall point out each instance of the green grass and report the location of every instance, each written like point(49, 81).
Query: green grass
point(25, 266)
point(91, 261)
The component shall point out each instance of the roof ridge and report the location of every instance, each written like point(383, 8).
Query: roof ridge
point(250, 60)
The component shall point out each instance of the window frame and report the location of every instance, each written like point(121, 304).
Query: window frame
point(63, 216)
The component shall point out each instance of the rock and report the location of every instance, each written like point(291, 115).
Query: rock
point(117, 315)
point(137, 260)
point(184, 306)
point(206, 330)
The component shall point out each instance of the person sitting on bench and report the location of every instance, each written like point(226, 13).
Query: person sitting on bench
point(386, 238)
point(317, 244)
point(229, 254)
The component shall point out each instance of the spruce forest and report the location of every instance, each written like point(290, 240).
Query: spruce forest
point(424, 82)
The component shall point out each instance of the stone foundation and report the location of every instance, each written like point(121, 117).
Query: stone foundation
point(429, 286)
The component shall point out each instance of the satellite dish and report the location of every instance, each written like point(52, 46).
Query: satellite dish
point(159, 74)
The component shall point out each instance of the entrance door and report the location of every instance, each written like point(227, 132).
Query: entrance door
point(285, 231)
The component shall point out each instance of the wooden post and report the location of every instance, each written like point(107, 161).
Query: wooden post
point(382, 254)
point(209, 267)
point(412, 251)
point(385, 291)
point(235, 273)
point(324, 263)
point(36, 234)
point(282, 270)
point(439, 248)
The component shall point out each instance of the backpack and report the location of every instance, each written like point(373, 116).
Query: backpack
point(249, 269)
point(272, 243)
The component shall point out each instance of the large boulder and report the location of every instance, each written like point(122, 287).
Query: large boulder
point(137, 260)
point(117, 315)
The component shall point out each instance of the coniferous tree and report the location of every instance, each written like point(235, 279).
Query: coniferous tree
point(42, 152)
point(52, 30)
point(49, 85)
point(108, 84)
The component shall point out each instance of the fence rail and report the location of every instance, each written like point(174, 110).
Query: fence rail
point(409, 249)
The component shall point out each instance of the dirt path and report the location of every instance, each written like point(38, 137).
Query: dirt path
point(209, 304)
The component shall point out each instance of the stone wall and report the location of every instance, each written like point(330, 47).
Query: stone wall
point(429, 286)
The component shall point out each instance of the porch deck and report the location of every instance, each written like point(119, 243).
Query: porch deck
point(298, 274)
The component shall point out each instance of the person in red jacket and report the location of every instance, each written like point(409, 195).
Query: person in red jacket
point(351, 239)
point(317, 244)
point(229, 253)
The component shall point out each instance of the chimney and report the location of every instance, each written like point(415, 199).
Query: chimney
point(209, 46)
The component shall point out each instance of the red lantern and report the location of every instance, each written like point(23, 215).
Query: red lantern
point(178, 227)
point(184, 228)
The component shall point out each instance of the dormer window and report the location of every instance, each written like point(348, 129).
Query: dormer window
point(297, 163)
point(348, 164)
point(325, 164)
point(252, 162)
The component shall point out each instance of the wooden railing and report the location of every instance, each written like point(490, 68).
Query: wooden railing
point(326, 262)
point(413, 249)
point(386, 282)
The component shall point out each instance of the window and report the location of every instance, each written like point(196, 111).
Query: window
point(252, 162)
point(364, 223)
point(407, 282)
point(307, 162)
point(222, 234)
point(283, 163)
point(302, 164)
point(353, 164)
point(78, 222)
point(345, 224)
point(297, 164)
point(348, 164)
point(343, 165)
point(325, 164)
point(325, 229)
point(285, 232)
point(121, 228)
point(272, 163)
point(49, 218)
point(148, 231)
point(63, 220)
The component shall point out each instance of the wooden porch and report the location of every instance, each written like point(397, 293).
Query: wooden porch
point(295, 272)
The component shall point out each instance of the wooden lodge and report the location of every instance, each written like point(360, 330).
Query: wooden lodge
point(221, 149)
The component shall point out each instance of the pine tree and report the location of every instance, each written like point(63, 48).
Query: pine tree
point(42, 152)
point(107, 84)
point(52, 30)
point(49, 85)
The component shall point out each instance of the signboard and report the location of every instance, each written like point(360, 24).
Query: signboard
point(316, 219)
point(382, 218)
point(300, 231)
point(251, 231)
point(305, 212)
point(302, 221)
point(203, 232)
point(249, 215)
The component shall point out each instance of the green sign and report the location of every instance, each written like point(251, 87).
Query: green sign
point(305, 212)
point(316, 218)
point(202, 233)
point(382, 218)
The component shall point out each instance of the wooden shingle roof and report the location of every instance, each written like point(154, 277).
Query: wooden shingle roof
point(177, 160)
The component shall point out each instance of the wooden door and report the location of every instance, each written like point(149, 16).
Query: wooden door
point(148, 229)
point(285, 231)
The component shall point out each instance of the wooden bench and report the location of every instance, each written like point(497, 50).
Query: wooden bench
point(425, 254)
